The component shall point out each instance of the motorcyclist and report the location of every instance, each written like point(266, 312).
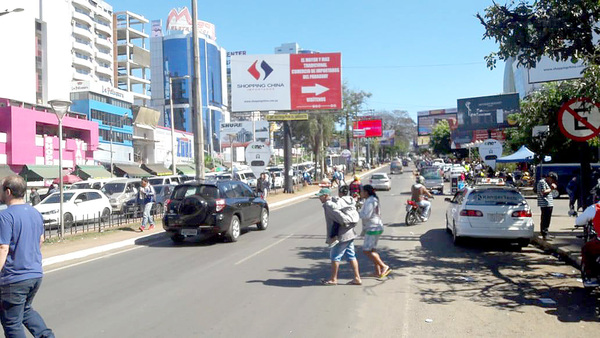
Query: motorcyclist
point(590, 250)
point(418, 193)
point(355, 186)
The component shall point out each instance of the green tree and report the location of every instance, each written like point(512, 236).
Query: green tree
point(440, 138)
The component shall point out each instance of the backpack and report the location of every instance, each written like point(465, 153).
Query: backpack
point(348, 211)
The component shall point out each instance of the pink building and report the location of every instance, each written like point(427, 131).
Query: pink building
point(29, 135)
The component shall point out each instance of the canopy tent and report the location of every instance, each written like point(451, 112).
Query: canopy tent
point(87, 172)
point(156, 169)
point(39, 172)
point(132, 171)
point(6, 171)
point(67, 179)
point(186, 169)
point(521, 155)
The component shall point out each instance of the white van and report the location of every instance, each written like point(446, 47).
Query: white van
point(246, 176)
point(120, 191)
point(91, 184)
point(169, 179)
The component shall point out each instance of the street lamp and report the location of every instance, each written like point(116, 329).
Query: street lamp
point(6, 11)
point(231, 138)
point(60, 108)
point(173, 153)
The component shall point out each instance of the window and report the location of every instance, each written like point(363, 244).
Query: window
point(93, 196)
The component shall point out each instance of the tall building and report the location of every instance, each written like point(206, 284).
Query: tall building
point(172, 57)
point(132, 57)
point(292, 48)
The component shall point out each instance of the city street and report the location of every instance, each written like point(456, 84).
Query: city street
point(268, 285)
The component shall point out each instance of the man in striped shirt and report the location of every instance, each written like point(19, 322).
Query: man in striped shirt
point(546, 201)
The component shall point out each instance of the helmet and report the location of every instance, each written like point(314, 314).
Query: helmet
point(420, 179)
point(343, 190)
point(356, 178)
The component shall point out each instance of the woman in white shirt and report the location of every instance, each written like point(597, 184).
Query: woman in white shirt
point(372, 229)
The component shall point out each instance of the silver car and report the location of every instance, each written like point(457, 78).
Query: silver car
point(380, 181)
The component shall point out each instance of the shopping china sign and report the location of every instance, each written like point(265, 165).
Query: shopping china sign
point(286, 82)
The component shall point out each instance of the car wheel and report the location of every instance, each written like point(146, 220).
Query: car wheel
point(68, 220)
point(233, 233)
point(555, 193)
point(105, 215)
point(177, 238)
point(455, 238)
point(264, 219)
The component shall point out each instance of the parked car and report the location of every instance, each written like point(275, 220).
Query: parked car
point(216, 207)
point(380, 181)
point(454, 172)
point(163, 192)
point(120, 191)
point(246, 176)
point(90, 184)
point(169, 179)
point(78, 206)
point(489, 212)
point(433, 179)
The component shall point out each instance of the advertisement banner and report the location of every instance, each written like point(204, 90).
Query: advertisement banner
point(286, 82)
point(461, 138)
point(423, 141)
point(240, 133)
point(371, 128)
point(487, 112)
point(547, 70)
point(427, 123)
point(388, 138)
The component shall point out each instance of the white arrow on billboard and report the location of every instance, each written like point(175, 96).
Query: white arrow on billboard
point(258, 155)
point(317, 89)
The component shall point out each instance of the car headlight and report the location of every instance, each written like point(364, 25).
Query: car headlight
point(113, 200)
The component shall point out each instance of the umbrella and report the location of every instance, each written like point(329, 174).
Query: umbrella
point(67, 179)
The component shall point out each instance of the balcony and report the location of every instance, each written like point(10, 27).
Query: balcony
point(83, 32)
point(104, 43)
point(81, 77)
point(83, 18)
point(104, 15)
point(83, 48)
point(106, 71)
point(83, 63)
point(104, 57)
point(85, 3)
point(103, 28)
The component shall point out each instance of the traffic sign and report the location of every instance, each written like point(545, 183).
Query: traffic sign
point(489, 151)
point(359, 133)
point(287, 117)
point(579, 119)
point(258, 156)
point(316, 81)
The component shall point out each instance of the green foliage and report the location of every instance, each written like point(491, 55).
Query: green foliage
point(440, 138)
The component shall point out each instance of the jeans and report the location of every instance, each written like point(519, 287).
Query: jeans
point(148, 218)
point(16, 310)
point(341, 249)
point(545, 220)
point(425, 205)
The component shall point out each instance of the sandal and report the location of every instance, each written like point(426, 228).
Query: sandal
point(354, 282)
point(328, 282)
point(386, 272)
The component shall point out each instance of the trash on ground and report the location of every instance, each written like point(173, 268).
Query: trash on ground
point(558, 274)
point(428, 320)
point(579, 280)
point(547, 301)
point(467, 279)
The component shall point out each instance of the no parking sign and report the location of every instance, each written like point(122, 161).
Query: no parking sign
point(579, 119)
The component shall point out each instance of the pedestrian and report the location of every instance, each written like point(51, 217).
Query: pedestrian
point(345, 237)
point(52, 189)
point(546, 201)
point(370, 214)
point(34, 197)
point(262, 186)
point(335, 177)
point(146, 198)
point(573, 192)
point(21, 235)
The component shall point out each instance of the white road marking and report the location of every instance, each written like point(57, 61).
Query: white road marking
point(405, 333)
point(263, 250)
point(92, 259)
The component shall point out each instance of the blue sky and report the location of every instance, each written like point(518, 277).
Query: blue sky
point(411, 55)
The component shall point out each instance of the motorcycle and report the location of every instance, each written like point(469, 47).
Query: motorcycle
point(588, 234)
point(414, 213)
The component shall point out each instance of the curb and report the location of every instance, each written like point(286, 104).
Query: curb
point(573, 258)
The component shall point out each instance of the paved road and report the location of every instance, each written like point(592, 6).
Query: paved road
point(267, 285)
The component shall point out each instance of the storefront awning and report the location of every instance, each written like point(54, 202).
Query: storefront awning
point(86, 172)
point(40, 172)
point(132, 171)
point(186, 169)
point(157, 169)
point(5, 171)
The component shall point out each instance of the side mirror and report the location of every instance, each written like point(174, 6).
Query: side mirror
point(77, 201)
point(448, 199)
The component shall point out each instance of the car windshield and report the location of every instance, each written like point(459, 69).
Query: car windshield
point(155, 181)
point(113, 188)
point(81, 186)
point(55, 198)
point(250, 175)
point(378, 177)
point(158, 189)
point(431, 175)
point(495, 197)
point(204, 191)
point(396, 164)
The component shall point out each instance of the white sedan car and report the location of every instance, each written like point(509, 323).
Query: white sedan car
point(380, 181)
point(78, 206)
point(454, 171)
point(489, 212)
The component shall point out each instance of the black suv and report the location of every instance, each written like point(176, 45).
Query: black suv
point(218, 207)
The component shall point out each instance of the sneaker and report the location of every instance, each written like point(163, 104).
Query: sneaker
point(151, 227)
point(141, 228)
point(334, 243)
point(591, 282)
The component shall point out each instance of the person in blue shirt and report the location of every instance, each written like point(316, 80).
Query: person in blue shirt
point(146, 198)
point(21, 236)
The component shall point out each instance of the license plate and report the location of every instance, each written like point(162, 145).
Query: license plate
point(189, 232)
point(496, 217)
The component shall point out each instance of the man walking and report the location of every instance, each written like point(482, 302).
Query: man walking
point(146, 197)
point(34, 197)
point(21, 235)
point(546, 201)
point(345, 236)
point(262, 186)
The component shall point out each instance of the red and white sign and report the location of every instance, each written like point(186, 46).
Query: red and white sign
point(286, 82)
point(316, 81)
point(579, 119)
point(371, 128)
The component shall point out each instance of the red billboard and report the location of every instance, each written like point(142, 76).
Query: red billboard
point(370, 128)
point(316, 81)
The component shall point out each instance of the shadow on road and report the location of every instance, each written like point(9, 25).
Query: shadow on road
point(497, 275)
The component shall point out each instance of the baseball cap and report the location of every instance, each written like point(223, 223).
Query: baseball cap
point(324, 191)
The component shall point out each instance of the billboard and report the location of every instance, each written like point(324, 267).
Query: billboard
point(460, 138)
point(180, 19)
point(240, 133)
point(426, 123)
point(547, 70)
point(370, 128)
point(286, 82)
point(388, 138)
point(487, 112)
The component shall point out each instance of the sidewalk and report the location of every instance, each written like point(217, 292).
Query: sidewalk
point(92, 243)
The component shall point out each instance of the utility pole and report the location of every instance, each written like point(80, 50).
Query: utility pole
point(197, 114)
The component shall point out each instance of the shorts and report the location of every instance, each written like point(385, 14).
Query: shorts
point(371, 240)
point(338, 251)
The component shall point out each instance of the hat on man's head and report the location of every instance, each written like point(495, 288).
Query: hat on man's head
point(324, 191)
